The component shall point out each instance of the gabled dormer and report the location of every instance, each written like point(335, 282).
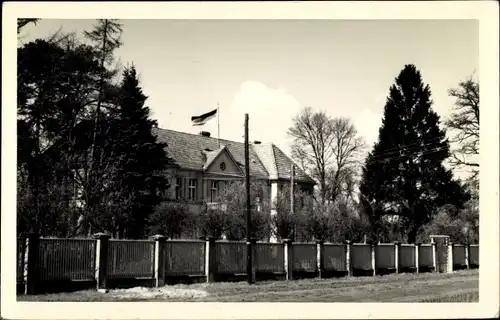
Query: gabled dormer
point(221, 162)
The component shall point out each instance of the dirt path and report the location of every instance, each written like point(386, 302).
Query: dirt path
point(386, 289)
point(457, 287)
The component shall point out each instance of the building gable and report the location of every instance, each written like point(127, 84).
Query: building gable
point(222, 162)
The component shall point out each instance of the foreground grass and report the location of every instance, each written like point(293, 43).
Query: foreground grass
point(461, 286)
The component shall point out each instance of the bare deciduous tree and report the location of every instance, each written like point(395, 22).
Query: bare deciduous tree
point(347, 146)
point(327, 148)
point(464, 122)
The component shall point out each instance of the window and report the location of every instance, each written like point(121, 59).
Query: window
point(223, 166)
point(213, 190)
point(179, 190)
point(221, 186)
point(192, 189)
point(258, 203)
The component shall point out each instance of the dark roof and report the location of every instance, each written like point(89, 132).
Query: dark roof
point(189, 151)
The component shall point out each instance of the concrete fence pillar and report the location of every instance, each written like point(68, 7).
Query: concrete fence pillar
point(31, 267)
point(374, 257)
point(434, 257)
point(320, 258)
point(288, 258)
point(397, 246)
point(417, 257)
point(467, 253)
point(101, 261)
point(160, 259)
point(449, 262)
point(207, 258)
point(348, 249)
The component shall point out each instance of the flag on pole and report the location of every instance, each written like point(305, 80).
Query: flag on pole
point(201, 120)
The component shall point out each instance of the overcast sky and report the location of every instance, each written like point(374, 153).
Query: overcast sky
point(272, 68)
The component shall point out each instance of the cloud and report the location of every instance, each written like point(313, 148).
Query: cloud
point(368, 124)
point(258, 98)
point(270, 111)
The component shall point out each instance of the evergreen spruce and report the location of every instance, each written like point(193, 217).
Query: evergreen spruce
point(404, 174)
point(139, 181)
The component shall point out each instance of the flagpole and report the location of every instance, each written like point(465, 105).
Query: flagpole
point(218, 124)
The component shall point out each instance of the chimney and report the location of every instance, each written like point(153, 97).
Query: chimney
point(256, 142)
point(205, 133)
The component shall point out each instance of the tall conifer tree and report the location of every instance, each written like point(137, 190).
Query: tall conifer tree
point(140, 175)
point(404, 174)
point(105, 38)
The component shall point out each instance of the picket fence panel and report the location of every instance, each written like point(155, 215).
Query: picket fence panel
point(385, 256)
point(231, 256)
point(305, 257)
point(21, 249)
point(407, 256)
point(459, 255)
point(269, 257)
point(185, 258)
point(131, 259)
point(334, 258)
point(425, 255)
point(361, 256)
point(474, 255)
point(66, 259)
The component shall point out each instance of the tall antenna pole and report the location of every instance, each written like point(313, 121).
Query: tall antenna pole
point(218, 124)
point(249, 221)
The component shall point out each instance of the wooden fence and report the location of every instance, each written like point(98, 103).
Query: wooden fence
point(48, 260)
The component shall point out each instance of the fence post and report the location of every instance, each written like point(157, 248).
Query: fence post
point(374, 257)
point(348, 258)
point(160, 257)
point(434, 257)
point(288, 258)
point(211, 259)
point(207, 259)
point(417, 257)
point(467, 252)
point(449, 263)
point(397, 246)
point(320, 258)
point(253, 242)
point(101, 261)
point(31, 267)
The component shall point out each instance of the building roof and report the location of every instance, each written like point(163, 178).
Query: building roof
point(211, 155)
point(193, 152)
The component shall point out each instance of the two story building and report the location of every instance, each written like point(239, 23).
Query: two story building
point(205, 164)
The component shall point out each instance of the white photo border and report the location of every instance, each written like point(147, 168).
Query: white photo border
point(484, 11)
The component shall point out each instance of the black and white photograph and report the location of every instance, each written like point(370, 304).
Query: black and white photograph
point(220, 159)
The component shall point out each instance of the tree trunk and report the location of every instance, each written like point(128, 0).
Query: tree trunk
point(90, 183)
point(412, 235)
